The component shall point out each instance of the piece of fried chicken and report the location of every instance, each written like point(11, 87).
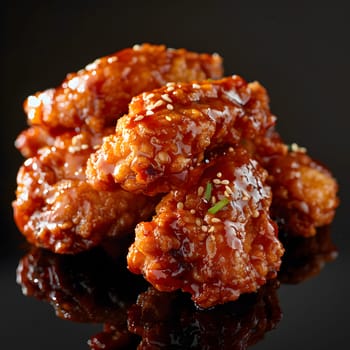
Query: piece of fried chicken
point(97, 95)
point(214, 239)
point(167, 131)
point(55, 207)
point(304, 193)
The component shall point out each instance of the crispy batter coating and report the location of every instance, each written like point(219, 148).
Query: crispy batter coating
point(57, 209)
point(97, 95)
point(214, 240)
point(168, 130)
point(304, 193)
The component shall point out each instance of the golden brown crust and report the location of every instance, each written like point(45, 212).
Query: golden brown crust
point(304, 193)
point(168, 130)
point(57, 209)
point(215, 256)
point(99, 94)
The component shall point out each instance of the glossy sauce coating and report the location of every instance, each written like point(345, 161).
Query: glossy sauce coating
point(304, 193)
point(57, 209)
point(167, 131)
point(99, 94)
point(214, 255)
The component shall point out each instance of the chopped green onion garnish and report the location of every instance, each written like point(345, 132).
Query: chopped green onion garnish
point(218, 206)
point(207, 193)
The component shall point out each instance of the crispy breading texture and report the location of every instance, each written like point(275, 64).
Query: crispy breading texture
point(304, 193)
point(97, 95)
point(57, 209)
point(168, 130)
point(214, 240)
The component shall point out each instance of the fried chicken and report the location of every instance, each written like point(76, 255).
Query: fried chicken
point(304, 193)
point(214, 239)
point(97, 95)
point(57, 209)
point(150, 124)
point(168, 130)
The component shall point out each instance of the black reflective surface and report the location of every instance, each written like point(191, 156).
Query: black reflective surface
point(301, 55)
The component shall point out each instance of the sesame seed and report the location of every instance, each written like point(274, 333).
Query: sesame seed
point(215, 220)
point(170, 88)
point(211, 229)
point(170, 106)
point(73, 149)
point(219, 175)
point(170, 84)
point(231, 149)
point(200, 190)
point(138, 118)
point(204, 228)
point(228, 189)
point(112, 59)
point(245, 196)
point(180, 205)
point(226, 194)
point(195, 86)
point(96, 146)
point(296, 148)
point(84, 146)
point(149, 96)
point(149, 112)
point(192, 211)
point(217, 181)
point(213, 199)
point(158, 104)
point(168, 118)
point(166, 98)
point(198, 222)
point(255, 214)
point(225, 182)
point(136, 47)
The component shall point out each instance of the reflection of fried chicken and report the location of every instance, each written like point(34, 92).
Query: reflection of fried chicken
point(81, 287)
point(167, 131)
point(304, 193)
point(306, 257)
point(97, 95)
point(168, 320)
point(215, 239)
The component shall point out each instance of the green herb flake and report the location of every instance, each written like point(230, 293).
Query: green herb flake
point(207, 193)
point(218, 206)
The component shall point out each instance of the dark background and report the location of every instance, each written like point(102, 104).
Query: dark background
point(301, 54)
